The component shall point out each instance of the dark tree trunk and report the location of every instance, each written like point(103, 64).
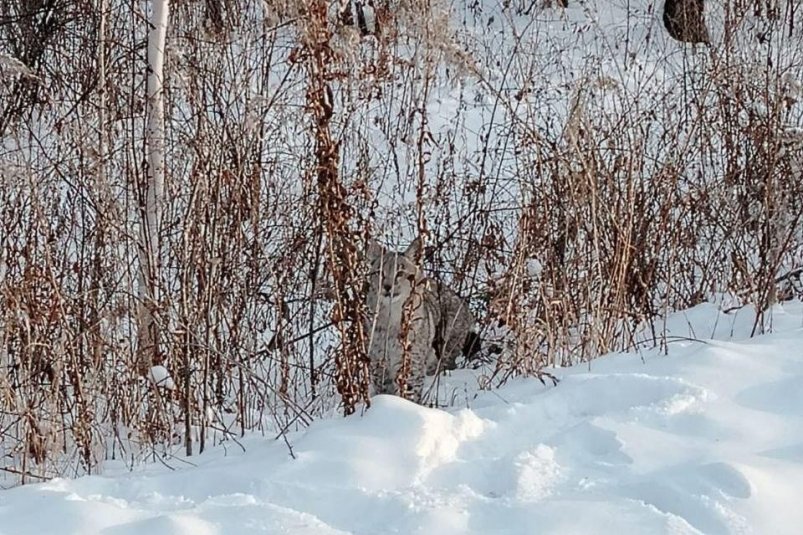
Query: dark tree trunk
point(685, 21)
point(214, 14)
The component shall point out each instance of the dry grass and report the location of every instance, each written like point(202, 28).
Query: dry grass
point(292, 137)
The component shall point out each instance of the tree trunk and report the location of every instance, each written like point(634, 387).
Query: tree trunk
point(685, 20)
point(149, 253)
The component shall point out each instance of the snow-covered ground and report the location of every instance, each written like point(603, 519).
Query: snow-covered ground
point(707, 439)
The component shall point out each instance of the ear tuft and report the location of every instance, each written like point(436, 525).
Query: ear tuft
point(374, 250)
point(414, 250)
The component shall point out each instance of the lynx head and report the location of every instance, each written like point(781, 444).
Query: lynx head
point(391, 274)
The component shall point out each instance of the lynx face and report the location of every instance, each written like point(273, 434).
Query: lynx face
point(392, 274)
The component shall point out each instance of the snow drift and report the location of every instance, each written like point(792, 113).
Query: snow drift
point(707, 439)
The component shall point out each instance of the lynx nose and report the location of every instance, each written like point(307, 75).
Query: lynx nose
point(387, 287)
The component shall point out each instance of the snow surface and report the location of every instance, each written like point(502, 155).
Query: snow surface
point(707, 439)
point(161, 377)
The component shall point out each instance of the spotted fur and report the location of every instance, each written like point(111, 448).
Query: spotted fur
point(440, 321)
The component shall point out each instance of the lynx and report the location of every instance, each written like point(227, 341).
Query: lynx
point(440, 324)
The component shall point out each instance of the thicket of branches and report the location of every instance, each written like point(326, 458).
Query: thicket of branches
point(571, 189)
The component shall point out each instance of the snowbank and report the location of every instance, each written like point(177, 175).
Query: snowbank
point(707, 439)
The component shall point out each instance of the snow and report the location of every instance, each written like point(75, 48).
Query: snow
point(706, 438)
point(159, 376)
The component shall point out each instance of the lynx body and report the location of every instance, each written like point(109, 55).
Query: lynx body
point(439, 324)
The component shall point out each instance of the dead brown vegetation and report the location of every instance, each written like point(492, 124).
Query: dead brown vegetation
point(294, 133)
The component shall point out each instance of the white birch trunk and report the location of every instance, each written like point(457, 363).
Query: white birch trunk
point(102, 90)
point(154, 195)
point(101, 185)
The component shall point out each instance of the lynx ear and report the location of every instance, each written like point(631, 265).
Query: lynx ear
point(414, 250)
point(374, 250)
